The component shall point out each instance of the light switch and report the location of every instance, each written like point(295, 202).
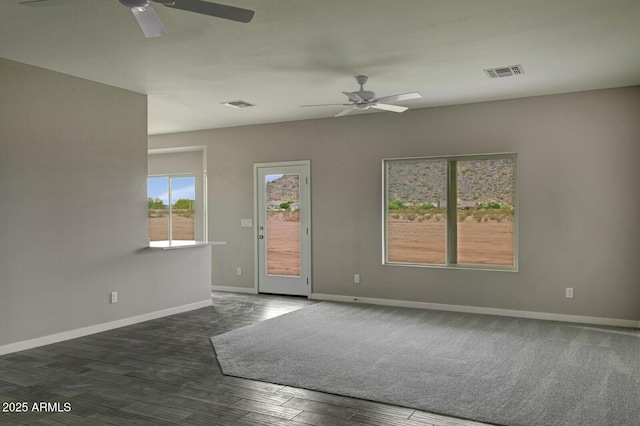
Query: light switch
point(246, 223)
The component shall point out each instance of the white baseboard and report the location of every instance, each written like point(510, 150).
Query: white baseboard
point(480, 310)
point(99, 328)
point(234, 289)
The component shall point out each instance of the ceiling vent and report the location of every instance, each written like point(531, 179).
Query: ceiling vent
point(238, 104)
point(504, 71)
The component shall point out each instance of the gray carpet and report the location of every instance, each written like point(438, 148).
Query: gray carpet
point(499, 370)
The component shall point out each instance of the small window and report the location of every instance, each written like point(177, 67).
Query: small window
point(171, 201)
point(451, 211)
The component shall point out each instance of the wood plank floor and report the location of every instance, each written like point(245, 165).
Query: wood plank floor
point(164, 372)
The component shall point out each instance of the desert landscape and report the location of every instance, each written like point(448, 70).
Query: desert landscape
point(416, 222)
point(283, 243)
point(479, 243)
point(423, 242)
point(183, 227)
point(485, 210)
point(282, 232)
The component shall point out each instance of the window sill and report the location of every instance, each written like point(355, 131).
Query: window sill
point(462, 266)
point(180, 244)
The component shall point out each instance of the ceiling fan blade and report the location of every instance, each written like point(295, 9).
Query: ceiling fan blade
point(148, 21)
point(353, 97)
point(386, 107)
point(345, 112)
point(41, 3)
point(317, 105)
point(214, 9)
point(403, 97)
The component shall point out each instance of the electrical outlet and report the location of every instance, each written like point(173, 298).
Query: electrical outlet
point(239, 271)
point(569, 293)
point(114, 297)
point(356, 278)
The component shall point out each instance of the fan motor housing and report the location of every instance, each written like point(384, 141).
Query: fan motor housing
point(135, 3)
point(366, 94)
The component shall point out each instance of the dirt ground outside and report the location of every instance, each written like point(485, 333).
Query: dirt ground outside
point(283, 243)
point(479, 243)
point(417, 242)
point(183, 228)
point(484, 243)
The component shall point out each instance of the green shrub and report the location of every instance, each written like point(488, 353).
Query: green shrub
point(156, 204)
point(183, 204)
point(396, 205)
point(491, 205)
point(427, 206)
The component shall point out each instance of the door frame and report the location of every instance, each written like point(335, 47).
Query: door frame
point(256, 216)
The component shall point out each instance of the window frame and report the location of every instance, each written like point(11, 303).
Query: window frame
point(169, 177)
point(451, 212)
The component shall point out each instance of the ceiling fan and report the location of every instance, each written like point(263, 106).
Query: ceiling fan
point(364, 99)
point(149, 21)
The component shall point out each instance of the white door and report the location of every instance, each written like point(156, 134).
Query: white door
point(283, 260)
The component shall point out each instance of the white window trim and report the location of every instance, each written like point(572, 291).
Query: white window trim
point(169, 177)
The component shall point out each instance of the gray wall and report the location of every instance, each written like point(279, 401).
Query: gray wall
point(73, 220)
point(579, 176)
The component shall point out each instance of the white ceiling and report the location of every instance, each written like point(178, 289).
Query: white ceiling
point(297, 52)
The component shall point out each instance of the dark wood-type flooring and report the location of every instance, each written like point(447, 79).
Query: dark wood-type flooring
point(164, 372)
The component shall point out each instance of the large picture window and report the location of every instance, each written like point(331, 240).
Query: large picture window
point(451, 211)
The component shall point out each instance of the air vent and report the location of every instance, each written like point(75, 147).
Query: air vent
point(238, 104)
point(504, 71)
